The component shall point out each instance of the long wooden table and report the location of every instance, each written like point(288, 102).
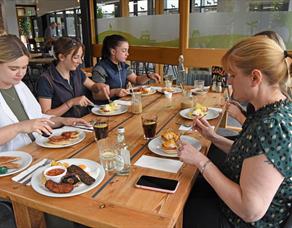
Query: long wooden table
point(115, 202)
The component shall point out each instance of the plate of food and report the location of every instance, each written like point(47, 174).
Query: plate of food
point(144, 90)
point(169, 89)
point(12, 162)
point(61, 138)
point(198, 91)
point(78, 176)
point(166, 144)
point(199, 111)
point(111, 109)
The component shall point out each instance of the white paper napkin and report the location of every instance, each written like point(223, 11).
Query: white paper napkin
point(122, 102)
point(184, 128)
point(18, 178)
point(164, 164)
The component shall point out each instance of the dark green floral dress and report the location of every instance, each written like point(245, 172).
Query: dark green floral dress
point(268, 131)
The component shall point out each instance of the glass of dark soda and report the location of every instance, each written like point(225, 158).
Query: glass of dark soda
point(149, 123)
point(101, 128)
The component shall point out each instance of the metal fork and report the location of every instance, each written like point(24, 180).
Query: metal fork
point(48, 161)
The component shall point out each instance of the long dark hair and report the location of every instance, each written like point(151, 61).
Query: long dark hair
point(111, 42)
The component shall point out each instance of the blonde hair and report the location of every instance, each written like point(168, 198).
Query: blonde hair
point(260, 53)
point(11, 48)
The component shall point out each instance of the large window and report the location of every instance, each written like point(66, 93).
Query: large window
point(69, 23)
point(219, 24)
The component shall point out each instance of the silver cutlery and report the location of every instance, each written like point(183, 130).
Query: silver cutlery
point(48, 161)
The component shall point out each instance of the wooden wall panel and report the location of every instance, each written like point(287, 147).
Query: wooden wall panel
point(147, 54)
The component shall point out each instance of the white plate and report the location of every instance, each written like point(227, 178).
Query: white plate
point(211, 114)
point(95, 170)
point(42, 141)
point(25, 161)
point(199, 92)
point(152, 90)
point(175, 90)
point(122, 109)
point(155, 145)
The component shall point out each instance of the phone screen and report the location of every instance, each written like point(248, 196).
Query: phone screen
point(158, 183)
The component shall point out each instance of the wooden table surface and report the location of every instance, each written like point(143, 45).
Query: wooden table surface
point(115, 202)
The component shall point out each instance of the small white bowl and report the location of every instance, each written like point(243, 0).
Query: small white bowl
point(56, 178)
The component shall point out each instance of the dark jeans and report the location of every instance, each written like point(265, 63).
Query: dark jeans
point(202, 209)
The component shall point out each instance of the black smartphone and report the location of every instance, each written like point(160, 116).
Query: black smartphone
point(157, 184)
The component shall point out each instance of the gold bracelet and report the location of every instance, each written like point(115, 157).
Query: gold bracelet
point(203, 168)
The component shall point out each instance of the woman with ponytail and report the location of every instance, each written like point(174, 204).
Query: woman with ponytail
point(113, 71)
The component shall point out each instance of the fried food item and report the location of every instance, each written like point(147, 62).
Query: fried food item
point(64, 138)
point(11, 165)
point(199, 110)
point(169, 141)
point(59, 187)
point(8, 159)
point(70, 178)
point(71, 134)
point(167, 89)
point(109, 107)
point(169, 134)
point(82, 175)
point(169, 145)
point(143, 90)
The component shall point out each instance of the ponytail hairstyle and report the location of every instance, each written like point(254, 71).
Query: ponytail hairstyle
point(111, 42)
point(260, 53)
point(65, 45)
point(11, 48)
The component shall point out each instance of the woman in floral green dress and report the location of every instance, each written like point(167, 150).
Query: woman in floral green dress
point(254, 188)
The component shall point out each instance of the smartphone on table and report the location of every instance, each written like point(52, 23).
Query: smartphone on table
point(157, 184)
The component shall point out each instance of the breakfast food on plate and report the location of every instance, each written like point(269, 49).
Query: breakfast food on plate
point(7, 159)
point(167, 89)
point(8, 162)
point(199, 111)
point(143, 90)
point(82, 175)
point(109, 107)
point(63, 139)
point(169, 139)
point(59, 187)
point(169, 134)
point(74, 176)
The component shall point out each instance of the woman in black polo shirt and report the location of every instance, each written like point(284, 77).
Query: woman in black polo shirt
point(63, 89)
point(113, 71)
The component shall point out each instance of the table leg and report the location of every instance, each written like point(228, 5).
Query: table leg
point(27, 217)
point(179, 223)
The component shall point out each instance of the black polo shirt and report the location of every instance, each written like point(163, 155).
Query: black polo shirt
point(52, 85)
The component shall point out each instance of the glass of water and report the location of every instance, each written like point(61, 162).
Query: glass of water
point(199, 85)
point(108, 156)
point(168, 81)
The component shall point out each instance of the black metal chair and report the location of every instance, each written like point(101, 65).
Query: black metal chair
point(6, 215)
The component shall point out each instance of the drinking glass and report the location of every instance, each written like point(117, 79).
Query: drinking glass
point(108, 156)
point(168, 81)
point(101, 128)
point(149, 123)
point(199, 85)
point(136, 103)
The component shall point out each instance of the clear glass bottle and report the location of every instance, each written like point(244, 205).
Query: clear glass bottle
point(123, 151)
point(181, 71)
